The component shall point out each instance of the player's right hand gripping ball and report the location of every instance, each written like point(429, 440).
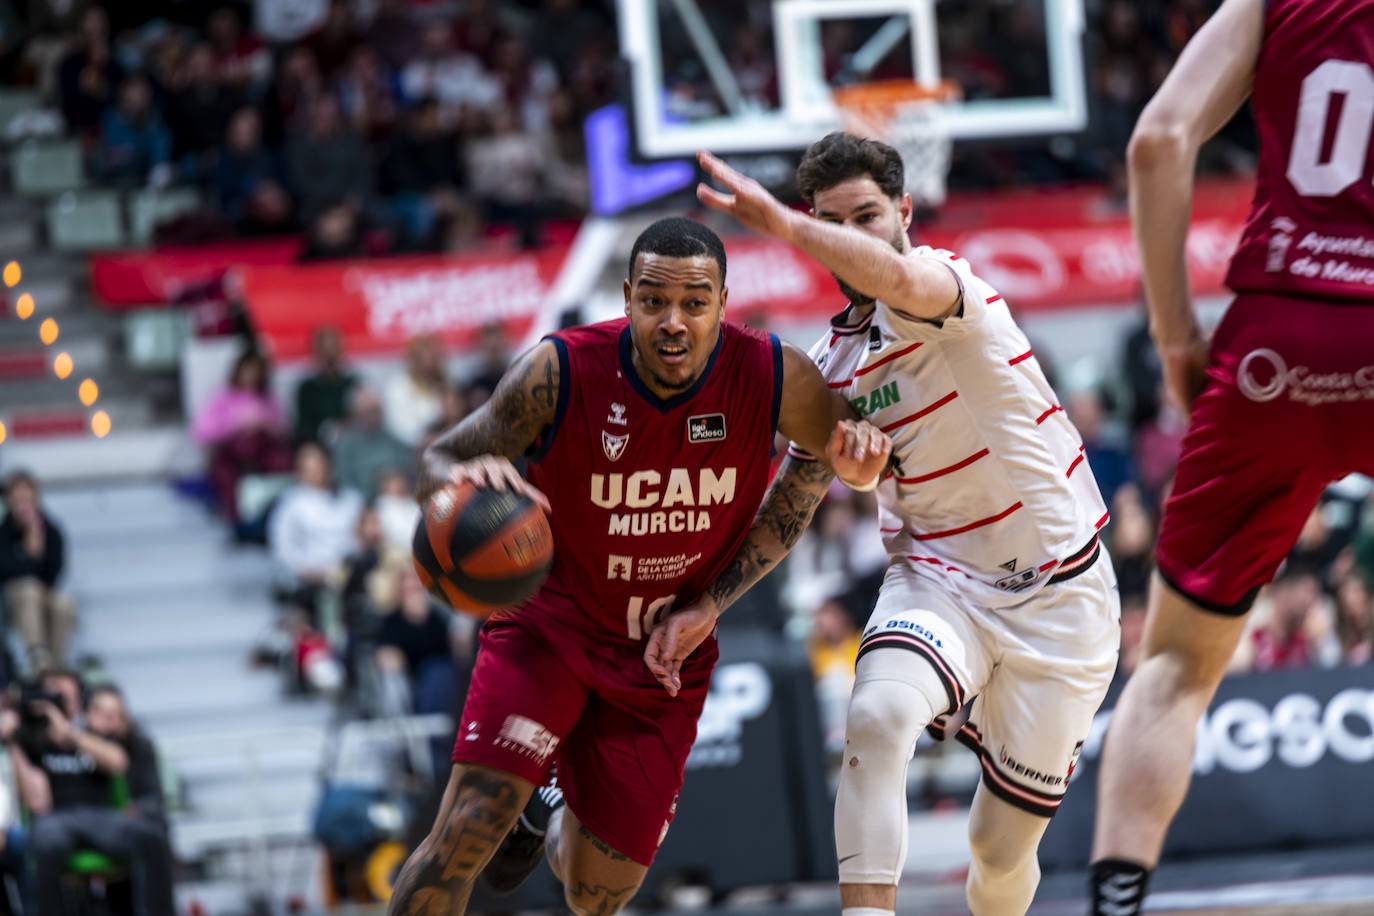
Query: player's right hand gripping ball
point(480, 550)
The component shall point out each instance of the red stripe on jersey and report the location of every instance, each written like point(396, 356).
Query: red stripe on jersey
point(1103, 520)
point(1076, 462)
point(889, 358)
point(1020, 359)
point(922, 412)
point(943, 471)
point(843, 384)
point(1050, 565)
point(1047, 414)
point(833, 337)
point(896, 530)
point(996, 297)
point(938, 562)
point(971, 525)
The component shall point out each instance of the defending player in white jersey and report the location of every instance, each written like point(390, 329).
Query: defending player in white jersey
point(997, 590)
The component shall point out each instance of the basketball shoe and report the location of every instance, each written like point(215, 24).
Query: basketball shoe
point(518, 855)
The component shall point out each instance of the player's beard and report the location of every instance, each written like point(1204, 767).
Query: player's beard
point(861, 300)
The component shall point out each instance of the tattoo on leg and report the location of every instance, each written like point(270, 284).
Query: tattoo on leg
point(599, 900)
point(602, 847)
point(440, 873)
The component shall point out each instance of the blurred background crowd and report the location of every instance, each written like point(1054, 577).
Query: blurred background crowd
point(404, 126)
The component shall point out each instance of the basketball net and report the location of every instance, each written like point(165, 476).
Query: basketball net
point(909, 117)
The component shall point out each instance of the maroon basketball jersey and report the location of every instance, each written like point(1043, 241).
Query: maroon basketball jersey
point(651, 497)
point(1311, 227)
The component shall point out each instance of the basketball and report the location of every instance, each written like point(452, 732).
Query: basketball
point(480, 550)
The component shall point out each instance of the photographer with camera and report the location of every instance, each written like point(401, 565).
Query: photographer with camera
point(66, 767)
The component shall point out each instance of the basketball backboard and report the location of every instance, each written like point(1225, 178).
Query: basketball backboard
point(750, 76)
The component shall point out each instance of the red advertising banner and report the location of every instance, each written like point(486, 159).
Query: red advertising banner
point(378, 305)
point(131, 279)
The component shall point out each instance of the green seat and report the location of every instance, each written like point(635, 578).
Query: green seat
point(150, 206)
point(85, 221)
point(42, 168)
point(89, 863)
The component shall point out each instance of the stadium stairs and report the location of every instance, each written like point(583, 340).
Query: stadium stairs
point(170, 610)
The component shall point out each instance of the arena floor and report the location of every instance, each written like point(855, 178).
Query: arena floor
point(1296, 883)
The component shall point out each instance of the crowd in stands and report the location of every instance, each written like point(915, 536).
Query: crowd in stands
point(328, 488)
point(384, 126)
point(85, 776)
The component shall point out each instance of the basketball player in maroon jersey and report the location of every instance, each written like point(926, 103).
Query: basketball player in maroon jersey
point(1294, 355)
point(650, 438)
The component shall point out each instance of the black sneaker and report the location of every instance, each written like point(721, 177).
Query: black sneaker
point(518, 855)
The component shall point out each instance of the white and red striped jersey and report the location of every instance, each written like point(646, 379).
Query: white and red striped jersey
point(992, 494)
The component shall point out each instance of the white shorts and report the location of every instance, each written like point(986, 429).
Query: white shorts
point(1036, 672)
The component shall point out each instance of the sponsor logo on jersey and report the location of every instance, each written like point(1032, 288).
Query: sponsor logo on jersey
point(527, 737)
point(617, 414)
point(1018, 582)
point(708, 427)
point(877, 399)
point(683, 493)
point(1282, 230)
point(618, 567)
point(1009, 566)
point(614, 445)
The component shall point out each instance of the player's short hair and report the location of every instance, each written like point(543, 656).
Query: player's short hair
point(839, 156)
point(678, 237)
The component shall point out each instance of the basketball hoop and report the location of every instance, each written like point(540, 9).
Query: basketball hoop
point(908, 116)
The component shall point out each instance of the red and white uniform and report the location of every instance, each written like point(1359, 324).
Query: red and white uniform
point(1295, 351)
point(650, 500)
point(991, 521)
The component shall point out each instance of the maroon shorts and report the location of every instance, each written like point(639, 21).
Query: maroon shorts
point(1288, 409)
point(546, 690)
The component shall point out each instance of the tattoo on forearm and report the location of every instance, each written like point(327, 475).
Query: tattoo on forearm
point(791, 501)
point(438, 876)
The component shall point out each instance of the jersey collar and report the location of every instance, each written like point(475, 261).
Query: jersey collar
point(663, 405)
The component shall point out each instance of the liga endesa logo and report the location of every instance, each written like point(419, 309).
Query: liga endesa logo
point(1264, 375)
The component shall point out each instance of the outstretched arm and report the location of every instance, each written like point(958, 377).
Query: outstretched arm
point(920, 287)
point(481, 447)
point(1205, 88)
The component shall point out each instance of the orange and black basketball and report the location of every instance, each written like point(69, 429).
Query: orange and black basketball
point(481, 550)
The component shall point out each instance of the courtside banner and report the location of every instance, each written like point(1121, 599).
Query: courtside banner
point(380, 304)
point(1282, 760)
point(138, 279)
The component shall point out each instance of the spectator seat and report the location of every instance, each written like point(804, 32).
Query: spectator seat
point(38, 169)
point(150, 206)
point(85, 221)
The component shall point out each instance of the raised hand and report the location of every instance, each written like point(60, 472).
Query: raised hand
point(748, 201)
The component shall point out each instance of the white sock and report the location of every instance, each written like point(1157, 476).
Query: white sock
point(864, 911)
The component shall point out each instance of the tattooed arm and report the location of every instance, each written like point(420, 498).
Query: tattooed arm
point(481, 447)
